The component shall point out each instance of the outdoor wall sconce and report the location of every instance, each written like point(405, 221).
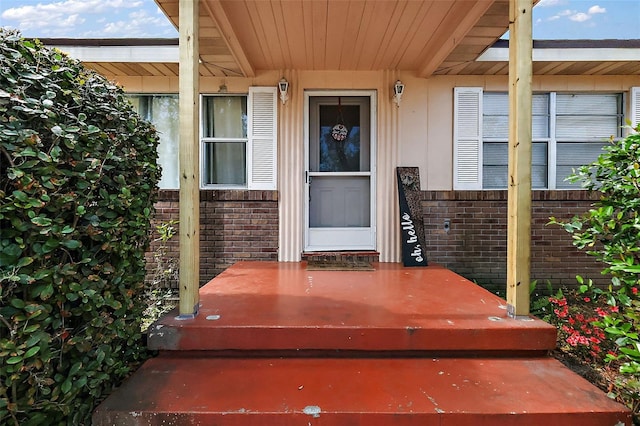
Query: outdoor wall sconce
point(283, 88)
point(398, 90)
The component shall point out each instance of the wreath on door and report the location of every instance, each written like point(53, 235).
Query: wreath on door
point(339, 131)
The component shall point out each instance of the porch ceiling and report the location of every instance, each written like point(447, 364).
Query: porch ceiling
point(238, 37)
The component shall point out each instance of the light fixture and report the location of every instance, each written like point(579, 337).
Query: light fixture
point(283, 87)
point(398, 90)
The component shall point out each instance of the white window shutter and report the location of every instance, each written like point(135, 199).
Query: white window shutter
point(262, 128)
point(635, 106)
point(467, 138)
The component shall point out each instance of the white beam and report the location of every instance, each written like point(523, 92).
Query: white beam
point(132, 54)
point(579, 54)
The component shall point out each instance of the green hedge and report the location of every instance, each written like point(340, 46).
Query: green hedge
point(78, 179)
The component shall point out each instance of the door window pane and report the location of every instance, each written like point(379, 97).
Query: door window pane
point(340, 155)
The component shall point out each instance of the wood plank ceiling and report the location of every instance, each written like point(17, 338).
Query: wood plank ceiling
point(239, 37)
point(429, 37)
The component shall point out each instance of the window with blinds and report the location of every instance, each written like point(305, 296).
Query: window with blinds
point(568, 131)
point(584, 123)
point(495, 131)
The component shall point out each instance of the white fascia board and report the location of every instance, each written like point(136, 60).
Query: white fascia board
point(166, 54)
point(499, 54)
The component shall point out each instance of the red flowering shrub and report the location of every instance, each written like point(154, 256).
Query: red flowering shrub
point(577, 317)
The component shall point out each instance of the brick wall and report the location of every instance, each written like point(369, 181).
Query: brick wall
point(243, 225)
point(234, 226)
point(476, 243)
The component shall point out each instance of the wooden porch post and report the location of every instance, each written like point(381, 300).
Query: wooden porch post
point(519, 193)
point(189, 165)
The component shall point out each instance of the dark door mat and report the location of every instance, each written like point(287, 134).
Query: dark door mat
point(313, 265)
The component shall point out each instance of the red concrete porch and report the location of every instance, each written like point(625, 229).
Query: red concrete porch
point(276, 344)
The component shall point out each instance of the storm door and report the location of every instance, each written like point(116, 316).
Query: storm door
point(339, 174)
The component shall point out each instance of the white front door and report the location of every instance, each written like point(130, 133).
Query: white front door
point(340, 173)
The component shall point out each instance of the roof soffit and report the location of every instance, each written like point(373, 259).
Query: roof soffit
point(238, 37)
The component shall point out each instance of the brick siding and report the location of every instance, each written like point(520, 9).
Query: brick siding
point(234, 226)
point(476, 244)
point(243, 225)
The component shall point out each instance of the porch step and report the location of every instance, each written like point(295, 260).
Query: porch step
point(172, 390)
point(284, 307)
point(277, 344)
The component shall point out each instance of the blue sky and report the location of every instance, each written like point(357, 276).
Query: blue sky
point(586, 19)
point(86, 18)
point(553, 19)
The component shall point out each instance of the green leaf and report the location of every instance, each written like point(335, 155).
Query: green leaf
point(17, 303)
point(14, 360)
point(72, 244)
point(41, 221)
point(75, 368)
point(66, 386)
point(31, 328)
point(31, 352)
point(14, 173)
point(91, 129)
point(42, 273)
point(20, 196)
point(46, 292)
point(100, 356)
point(24, 261)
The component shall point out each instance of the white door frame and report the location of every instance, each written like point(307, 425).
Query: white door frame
point(370, 244)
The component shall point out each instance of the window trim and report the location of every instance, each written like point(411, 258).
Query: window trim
point(261, 143)
point(204, 140)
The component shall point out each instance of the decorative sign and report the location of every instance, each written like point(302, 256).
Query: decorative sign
point(411, 226)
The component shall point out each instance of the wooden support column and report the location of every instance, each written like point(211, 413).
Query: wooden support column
point(519, 193)
point(189, 164)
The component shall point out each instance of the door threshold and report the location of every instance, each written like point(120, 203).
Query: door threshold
point(342, 256)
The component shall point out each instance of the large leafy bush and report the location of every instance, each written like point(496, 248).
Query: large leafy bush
point(77, 185)
point(610, 231)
